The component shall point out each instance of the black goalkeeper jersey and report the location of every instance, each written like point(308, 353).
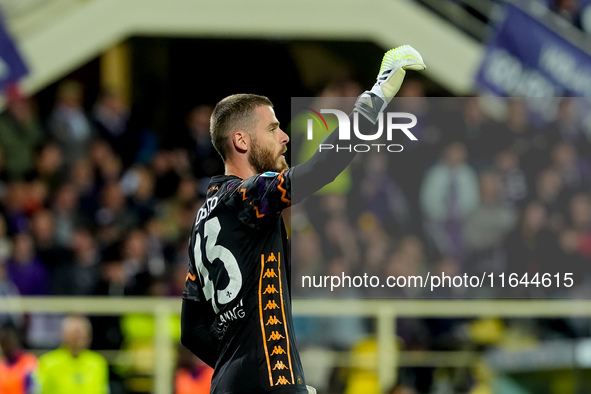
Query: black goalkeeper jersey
point(239, 264)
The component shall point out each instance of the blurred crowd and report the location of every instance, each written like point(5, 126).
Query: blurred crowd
point(576, 12)
point(93, 205)
point(508, 192)
point(498, 186)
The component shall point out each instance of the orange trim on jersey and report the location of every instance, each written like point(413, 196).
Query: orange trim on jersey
point(282, 189)
point(262, 322)
point(259, 215)
point(283, 311)
point(243, 194)
point(190, 276)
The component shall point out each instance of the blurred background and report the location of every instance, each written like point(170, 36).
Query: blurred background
point(105, 158)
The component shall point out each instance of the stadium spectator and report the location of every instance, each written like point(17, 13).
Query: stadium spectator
point(113, 218)
point(177, 280)
point(167, 177)
point(550, 193)
point(513, 180)
point(487, 226)
point(72, 368)
point(47, 249)
point(110, 118)
point(14, 208)
point(113, 279)
point(574, 170)
point(205, 161)
point(27, 272)
point(8, 291)
point(174, 209)
point(449, 193)
point(574, 257)
point(408, 259)
point(48, 166)
point(580, 213)
point(530, 244)
point(68, 124)
point(383, 196)
point(580, 221)
point(570, 10)
point(107, 165)
point(20, 134)
point(477, 132)
point(66, 214)
point(567, 125)
point(373, 243)
point(141, 267)
point(5, 241)
point(36, 194)
point(192, 376)
point(17, 368)
point(82, 178)
point(339, 235)
point(78, 274)
point(3, 175)
point(138, 185)
point(111, 282)
point(519, 135)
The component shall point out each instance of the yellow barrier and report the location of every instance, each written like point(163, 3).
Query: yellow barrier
point(384, 311)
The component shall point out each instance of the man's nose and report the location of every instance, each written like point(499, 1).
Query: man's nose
point(285, 137)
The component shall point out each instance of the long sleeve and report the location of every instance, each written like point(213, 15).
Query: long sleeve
point(196, 319)
point(324, 166)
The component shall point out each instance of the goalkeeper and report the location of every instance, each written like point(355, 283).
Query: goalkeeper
point(236, 304)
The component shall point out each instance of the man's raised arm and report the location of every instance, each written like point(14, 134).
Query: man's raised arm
point(324, 166)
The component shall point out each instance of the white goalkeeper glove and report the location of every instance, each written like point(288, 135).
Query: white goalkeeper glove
point(392, 71)
point(311, 390)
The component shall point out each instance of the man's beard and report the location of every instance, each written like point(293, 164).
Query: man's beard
point(263, 160)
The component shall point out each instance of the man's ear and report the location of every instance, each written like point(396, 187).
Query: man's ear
point(241, 141)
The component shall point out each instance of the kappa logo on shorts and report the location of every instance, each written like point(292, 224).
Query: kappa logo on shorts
point(270, 273)
point(282, 381)
point(271, 305)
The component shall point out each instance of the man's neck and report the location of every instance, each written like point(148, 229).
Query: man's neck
point(241, 170)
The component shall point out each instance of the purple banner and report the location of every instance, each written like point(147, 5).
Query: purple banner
point(526, 58)
point(12, 66)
